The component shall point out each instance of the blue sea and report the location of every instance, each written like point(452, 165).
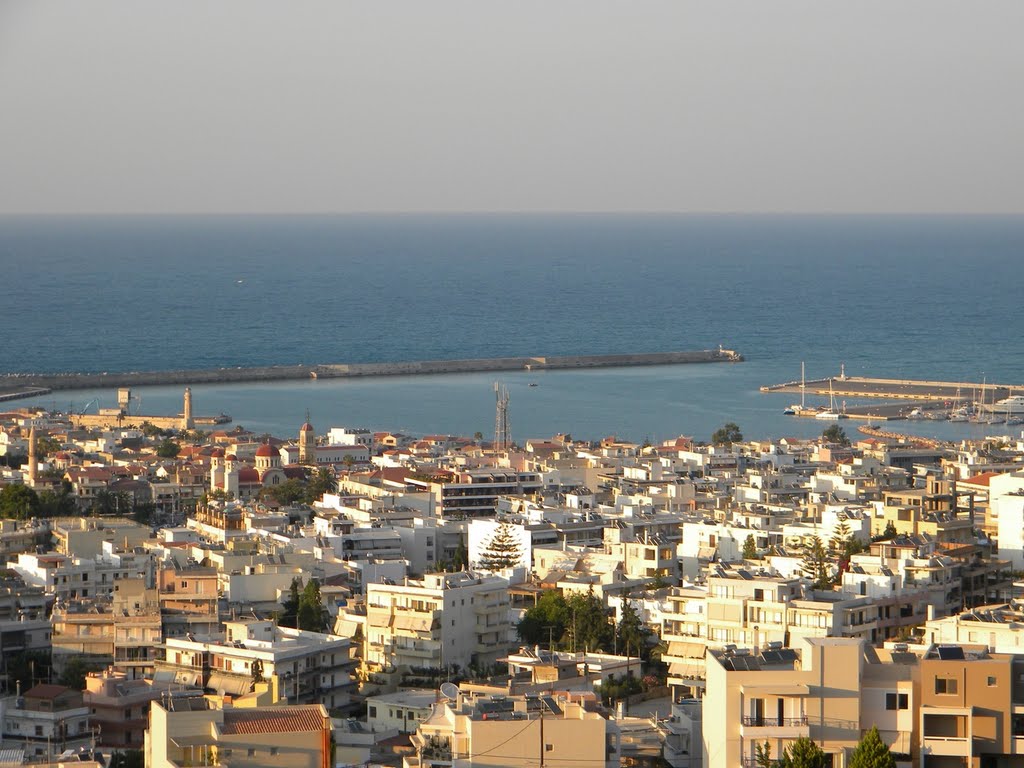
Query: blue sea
point(926, 297)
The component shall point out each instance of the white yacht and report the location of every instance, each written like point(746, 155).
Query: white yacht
point(1008, 406)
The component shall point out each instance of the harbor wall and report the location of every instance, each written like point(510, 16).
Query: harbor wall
point(350, 370)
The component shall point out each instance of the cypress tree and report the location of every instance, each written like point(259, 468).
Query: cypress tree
point(872, 752)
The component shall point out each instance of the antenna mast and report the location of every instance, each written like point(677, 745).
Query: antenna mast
point(502, 431)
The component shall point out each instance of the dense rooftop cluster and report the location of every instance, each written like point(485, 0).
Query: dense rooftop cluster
point(208, 598)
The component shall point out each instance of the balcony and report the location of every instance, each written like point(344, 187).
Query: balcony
point(775, 727)
point(951, 746)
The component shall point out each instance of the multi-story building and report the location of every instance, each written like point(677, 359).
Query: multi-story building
point(45, 721)
point(971, 709)
point(119, 706)
point(198, 732)
point(474, 492)
point(443, 620)
point(563, 729)
point(189, 600)
point(310, 667)
point(829, 690)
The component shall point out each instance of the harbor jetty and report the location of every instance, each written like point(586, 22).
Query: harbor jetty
point(898, 389)
point(64, 381)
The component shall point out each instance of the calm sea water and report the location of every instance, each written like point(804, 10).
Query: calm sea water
point(934, 297)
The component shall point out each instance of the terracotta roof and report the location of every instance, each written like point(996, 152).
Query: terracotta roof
point(266, 450)
point(46, 691)
point(288, 719)
point(248, 475)
point(981, 479)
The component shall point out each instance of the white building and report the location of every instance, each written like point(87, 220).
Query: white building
point(311, 667)
point(443, 620)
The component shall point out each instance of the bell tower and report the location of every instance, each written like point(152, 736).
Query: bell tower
point(307, 443)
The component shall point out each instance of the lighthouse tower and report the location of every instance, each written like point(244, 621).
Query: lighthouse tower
point(186, 421)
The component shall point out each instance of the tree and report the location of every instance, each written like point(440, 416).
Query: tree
point(151, 430)
point(460, 561)
point(872, 752)
point(311, 608)
point(589, 628)
point(842, 533)
point(815, 565)
point(47, 446)
point(632, 633)
point(727, 435)
point(749, 548)
point(322, 481)
point(18, 502)
point(168, 449)
point(763, 755)
point(290, 491)
point(545, 622)
point(835, 434)
point(75, 671)
point(502, 551)
point(803, 753)
point(257, 672)
point(289, 616)
point(129, 758)
point(890, 530)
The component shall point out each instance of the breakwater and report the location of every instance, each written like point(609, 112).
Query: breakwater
point(65, 381)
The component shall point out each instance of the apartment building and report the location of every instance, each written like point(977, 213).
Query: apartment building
point(45, 721)
point(443, 620)
point(972, 708)
point(310, 667)
point(563, 729)
point(119, 706)
point(198, 732)
point(474, 492)
point(817, 691)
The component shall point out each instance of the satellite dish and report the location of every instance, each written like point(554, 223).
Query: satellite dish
point(450, 691)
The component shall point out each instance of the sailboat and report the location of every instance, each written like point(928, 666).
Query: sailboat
point(830, 414)
point(799, 410)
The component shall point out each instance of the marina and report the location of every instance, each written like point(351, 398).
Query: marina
point(907, 399)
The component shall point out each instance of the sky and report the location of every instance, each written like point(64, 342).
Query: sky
point(259, 106)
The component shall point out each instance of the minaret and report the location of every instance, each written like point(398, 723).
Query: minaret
point(33, 462)
point(307, 443)
point(186, 421)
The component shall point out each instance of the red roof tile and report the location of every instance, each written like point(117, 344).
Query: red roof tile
point(273, 720)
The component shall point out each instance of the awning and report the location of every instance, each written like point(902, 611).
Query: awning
point(235, 685)
point(781, 689)
point(686, 670)
point(414, 623)
point(186, 678)
point(686, 650)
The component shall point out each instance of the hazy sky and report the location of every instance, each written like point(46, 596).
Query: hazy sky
point(634, 105)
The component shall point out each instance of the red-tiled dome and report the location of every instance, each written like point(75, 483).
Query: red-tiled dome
point(307, 427)
point(266, 451)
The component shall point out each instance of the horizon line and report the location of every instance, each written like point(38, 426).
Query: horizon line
point(509, 212)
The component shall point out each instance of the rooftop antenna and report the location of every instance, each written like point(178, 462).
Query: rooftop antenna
point(502, 431)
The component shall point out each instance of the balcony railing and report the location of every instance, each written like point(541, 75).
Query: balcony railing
point(774, 722)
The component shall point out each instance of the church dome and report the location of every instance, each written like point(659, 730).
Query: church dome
point(266, 451)
point(307, 427)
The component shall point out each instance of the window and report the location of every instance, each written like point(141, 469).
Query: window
point(251, 752)
point(991, 682)
point(273, 751)
point(373, 711)
point(894, 701)
point(945, 685)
